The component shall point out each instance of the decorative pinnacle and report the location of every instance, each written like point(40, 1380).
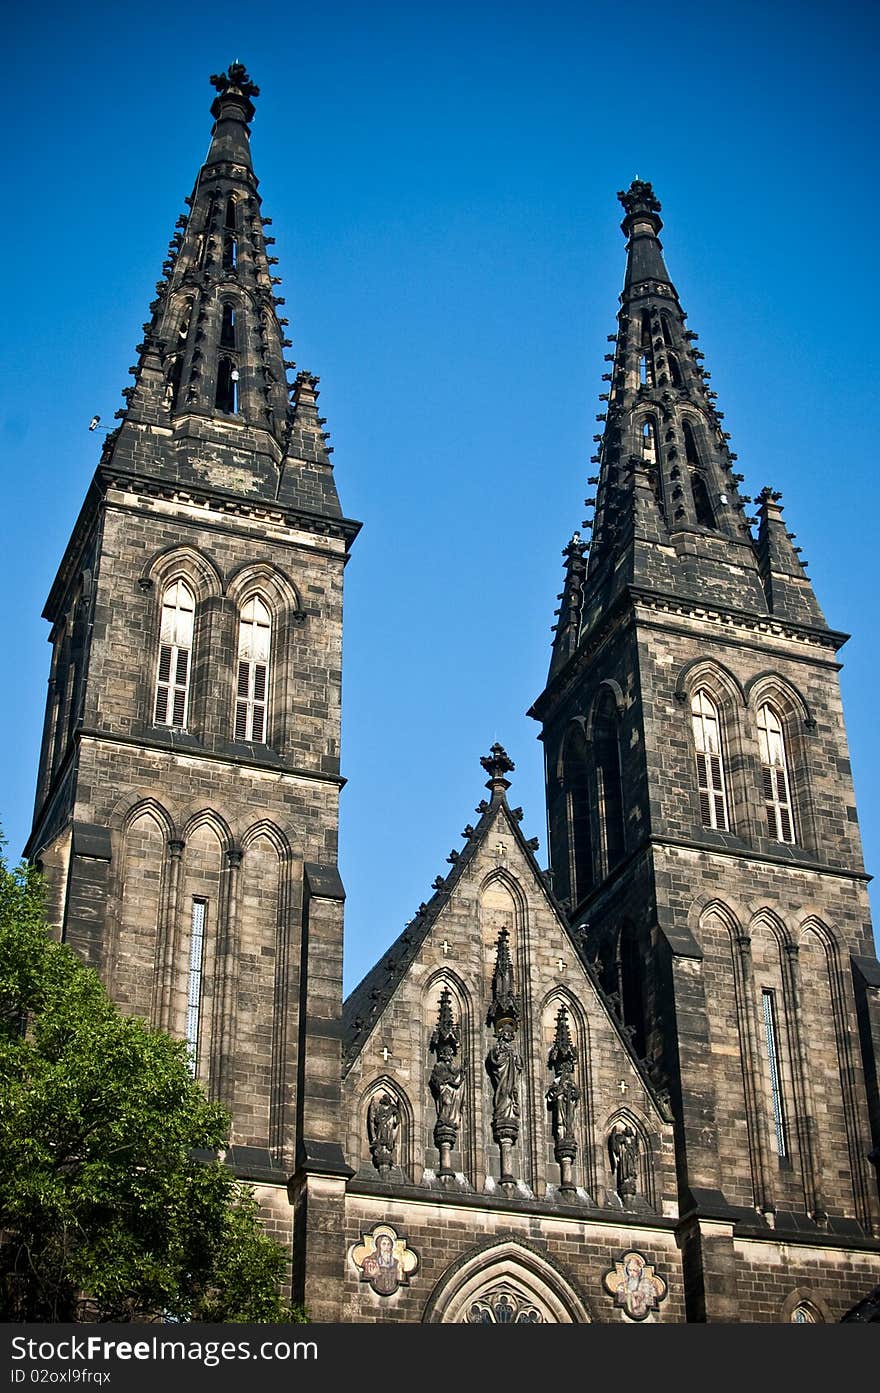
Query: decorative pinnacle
point(504, 1009)
point(642, 209)
point(234, 83)
point(497, 763)
point(563, 1054)
point(445, 1034)
point(639, 198)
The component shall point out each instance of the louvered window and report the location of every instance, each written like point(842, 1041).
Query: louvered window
point(710, 762)
point(252, 679)
point(175, 654)
point(771, 1045)
point(774, 775)
point(194, 981)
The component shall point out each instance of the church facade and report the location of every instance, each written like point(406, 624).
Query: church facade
point(640, 1085)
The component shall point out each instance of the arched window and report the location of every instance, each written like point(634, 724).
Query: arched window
point(174, 377)
point(577, 812)
point(691, 453)
point(609, 793)
point(649, 442)
point(646, 370)
point(666, 331)
point(175, 649)
point(252, 682)
point(227, 327)
point(774, 775)
point(226, 398)
point(230, 214)
point(702, 502)
point(674, 370)
point(230, 252)
point(710, 761)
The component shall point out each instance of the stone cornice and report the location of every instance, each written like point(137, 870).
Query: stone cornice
point(684, 608)
point(231, 504)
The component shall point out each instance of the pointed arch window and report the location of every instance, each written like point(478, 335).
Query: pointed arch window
point(649, 442)
point(710, 761)
point(577, 811)
point(775, 775)
point(226, 397)
point(674, 370)
point(198, 917)
point(702, 502)
point(691, 453)
point(609, 790)
point(227, 327)
point(252, 680)
point(230, 252)
point(175, 653)
point(174, 379)
point(666, 330)
point(231, 214)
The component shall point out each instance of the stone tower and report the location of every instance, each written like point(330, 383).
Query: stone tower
point(187, 803)
point(702, 821)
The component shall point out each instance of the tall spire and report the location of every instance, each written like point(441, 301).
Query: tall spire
point(212, 356)
point(668, 515)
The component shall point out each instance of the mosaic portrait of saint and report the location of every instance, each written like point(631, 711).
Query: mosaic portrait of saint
point(384, 1260)
point(635, 1286)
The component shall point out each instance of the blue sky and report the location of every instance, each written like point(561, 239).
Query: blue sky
point(442, 185)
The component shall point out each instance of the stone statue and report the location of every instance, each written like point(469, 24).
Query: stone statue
point(383, 1121)
point(623, 1149)
point(445, 1083)
point(505, 1066)
point(563, 1096)
point(503, 1062)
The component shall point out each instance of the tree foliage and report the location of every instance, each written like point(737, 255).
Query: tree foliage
point(106, 1214)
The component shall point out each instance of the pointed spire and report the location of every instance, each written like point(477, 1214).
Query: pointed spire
point(641, 226)
point(213, 352)
point(668, 515)
point(789, 592)
point(497, 763)
point(233, 111)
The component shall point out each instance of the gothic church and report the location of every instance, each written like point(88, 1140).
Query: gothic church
point(638, 1086)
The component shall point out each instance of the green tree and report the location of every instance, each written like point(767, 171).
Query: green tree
point(107, 1213)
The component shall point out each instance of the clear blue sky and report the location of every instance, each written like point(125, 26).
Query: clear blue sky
point(442, 181)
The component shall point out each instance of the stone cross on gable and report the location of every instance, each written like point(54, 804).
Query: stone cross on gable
point(385, 1053)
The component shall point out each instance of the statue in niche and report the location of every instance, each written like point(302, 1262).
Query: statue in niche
point(504, 1062)
point(623, 1150)
point(383, 1121)
point(445, 1083)
point(563, 1096)
point(505, 1066)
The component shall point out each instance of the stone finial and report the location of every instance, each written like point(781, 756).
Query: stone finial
point(497, 763)
point(236, 82)
point(639, 198)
